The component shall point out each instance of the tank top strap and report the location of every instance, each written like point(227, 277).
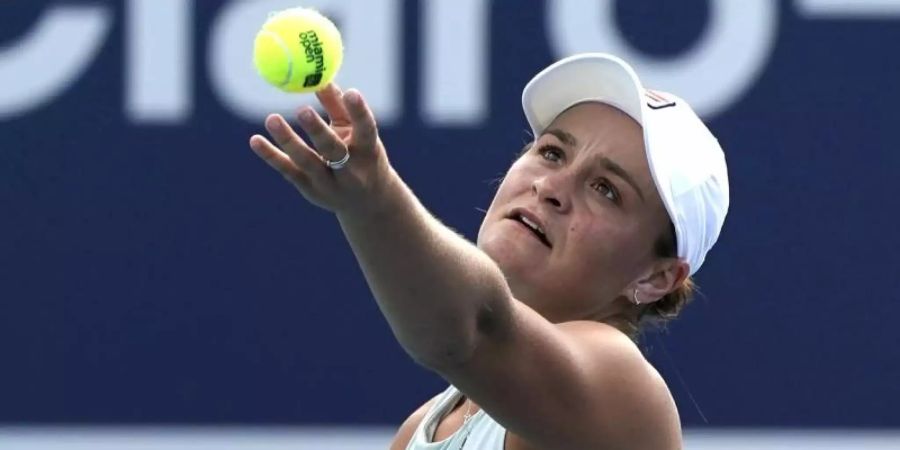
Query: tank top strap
point(480, 433)
point(444, 404)
point(423, 437)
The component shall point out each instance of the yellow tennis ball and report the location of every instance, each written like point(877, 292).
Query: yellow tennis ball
point(298, 50)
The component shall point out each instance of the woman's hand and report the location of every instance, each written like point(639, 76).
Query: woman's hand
point(352, 132)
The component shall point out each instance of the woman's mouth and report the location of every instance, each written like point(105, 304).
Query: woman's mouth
point(532, 226)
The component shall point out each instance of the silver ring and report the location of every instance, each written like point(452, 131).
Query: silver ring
point(335, 165)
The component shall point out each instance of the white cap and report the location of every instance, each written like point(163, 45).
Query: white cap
point(686, 161)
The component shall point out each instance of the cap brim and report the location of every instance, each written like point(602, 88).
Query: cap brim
point(585, 77)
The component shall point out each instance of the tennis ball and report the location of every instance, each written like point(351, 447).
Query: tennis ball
point(298, 50)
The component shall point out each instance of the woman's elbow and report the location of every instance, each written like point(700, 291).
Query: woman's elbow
point(453, 348)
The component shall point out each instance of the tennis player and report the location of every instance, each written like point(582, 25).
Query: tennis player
point(595, 230)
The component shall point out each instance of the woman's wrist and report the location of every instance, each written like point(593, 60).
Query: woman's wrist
point(387, 195)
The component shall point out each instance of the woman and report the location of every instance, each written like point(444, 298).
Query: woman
point(596, 227)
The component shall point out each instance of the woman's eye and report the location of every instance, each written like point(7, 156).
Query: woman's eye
point(607, 190)
point(551, 153)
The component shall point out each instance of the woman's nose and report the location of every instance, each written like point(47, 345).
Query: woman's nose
point(550, 189)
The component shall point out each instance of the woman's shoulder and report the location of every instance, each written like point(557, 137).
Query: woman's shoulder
point(613, 347)
point(604, 340)
point(636, 385)
point(411, 424)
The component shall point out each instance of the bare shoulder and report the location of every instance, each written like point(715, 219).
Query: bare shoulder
point(586, 385)
point(404, 434)
point(632, 397)
point(579, 384)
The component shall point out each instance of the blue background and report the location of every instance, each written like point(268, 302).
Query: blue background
point(163, 274)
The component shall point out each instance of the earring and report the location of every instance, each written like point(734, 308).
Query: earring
point(634, 298)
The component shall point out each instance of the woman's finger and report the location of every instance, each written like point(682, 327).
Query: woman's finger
point(327, 143)
point(304, 157)
point(365, 130)
point(331, 99)
point(277, 159)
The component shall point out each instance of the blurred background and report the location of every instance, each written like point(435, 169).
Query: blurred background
point(161, 288)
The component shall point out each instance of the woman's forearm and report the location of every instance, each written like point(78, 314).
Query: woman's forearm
point(438, 292)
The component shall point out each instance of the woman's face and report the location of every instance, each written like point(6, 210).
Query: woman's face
point(585, 183)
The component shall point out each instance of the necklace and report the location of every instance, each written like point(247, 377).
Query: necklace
point(466, 417)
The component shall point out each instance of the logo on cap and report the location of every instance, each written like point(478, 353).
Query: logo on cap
point(657, 100)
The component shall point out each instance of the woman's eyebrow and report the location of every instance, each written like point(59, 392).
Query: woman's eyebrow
point(564, 136)
point(615, 168)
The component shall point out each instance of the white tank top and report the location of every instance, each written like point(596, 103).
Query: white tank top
point(481, 432)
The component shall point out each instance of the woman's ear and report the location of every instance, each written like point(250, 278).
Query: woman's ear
point(664, 277)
